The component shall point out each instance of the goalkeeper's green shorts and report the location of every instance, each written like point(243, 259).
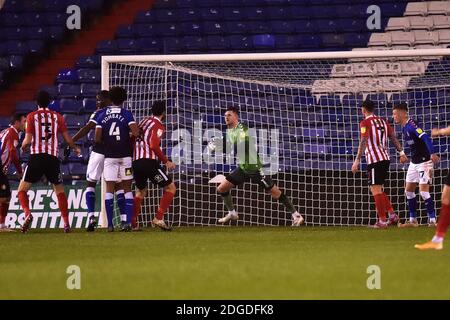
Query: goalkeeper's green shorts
point(239, 176)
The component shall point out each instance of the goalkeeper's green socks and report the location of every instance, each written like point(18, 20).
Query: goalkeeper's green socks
point(287, 203)
point(228, 201)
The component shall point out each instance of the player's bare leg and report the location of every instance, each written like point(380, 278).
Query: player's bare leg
point(437, 243)
point(224, 190)
point(277, 194)
point(25, 204)
point(166, 200)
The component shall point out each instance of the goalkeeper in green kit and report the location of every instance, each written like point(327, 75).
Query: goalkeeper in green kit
point(248, 169)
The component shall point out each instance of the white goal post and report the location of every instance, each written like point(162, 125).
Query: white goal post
point(303, 109)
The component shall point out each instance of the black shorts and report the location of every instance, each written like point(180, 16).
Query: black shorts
point(145, 169)
point(378, 172)
point(239, 176)
point(5, 190)
point(447, 180)
point(41, 165)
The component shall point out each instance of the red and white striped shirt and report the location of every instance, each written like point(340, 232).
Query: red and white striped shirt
point(45, 125)
point(9, 140)
point(148, 146)
point(377, 130)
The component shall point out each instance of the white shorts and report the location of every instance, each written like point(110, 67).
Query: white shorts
point(117, 170)
point(95, 167)
point(421, 173)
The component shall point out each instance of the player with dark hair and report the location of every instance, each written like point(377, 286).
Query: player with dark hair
point(9, 140)
point(437, 243)
point(42, 129)
point(96, 163)
point(147, 165)
point(249, 168)
point(114, 125)
point(420, 170)
point(375, 133)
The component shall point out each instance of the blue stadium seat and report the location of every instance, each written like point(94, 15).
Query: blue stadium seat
point(55, 106)
point(218, 43)
point(16, 62)
point(169, 29)
point(36, 46)
point(237, 27)
point(37, 33)
point(52, 90)
point(214, 27)
point(235, 14)
point(56, 33)
point(55, 19)
point(67, 76)
point(263, 41)
point(150, 45)
point(77, 169)
point(106, 47)
point(128, 46)
point(258, 27)
point(191, 28)
point(305, 26)
point(173, 45)
point(240, 43)
point(126, 31)
point(89, 105)
point(284, 42)
point(69, 90)
point(89, 75)
point(33, 19)
point(4, 122)
point(255, 13)
point(309, 41)
point(74, 121)
point(166, 15)
point(91, 62)
point(193, 44)
point(145, 17)
point(70, 106)
point(17, 47)
point(89, 90)
point(189, 14)
point(333, 40)
point(146, 30)
point(211, 13)
point(282, 26)
point(279, 12)
point(26, 107)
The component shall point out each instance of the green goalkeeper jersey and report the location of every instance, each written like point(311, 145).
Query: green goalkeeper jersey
point(248, 159)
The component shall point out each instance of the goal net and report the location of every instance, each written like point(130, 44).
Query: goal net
point(304, 112)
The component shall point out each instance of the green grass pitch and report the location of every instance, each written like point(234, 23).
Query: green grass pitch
point(224, 263)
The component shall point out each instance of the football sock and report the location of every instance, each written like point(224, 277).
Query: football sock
point(444, 221)
point(90, 201)
point(109, 205)
point(228, 201)
point(379, 204)
point(429, 204)
point(164, 204)
point(24, 203)
point(63, 207)
point(287, 203)
point(136, 211)
point(129, 206)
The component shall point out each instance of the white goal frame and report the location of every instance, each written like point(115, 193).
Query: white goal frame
point(357, 54)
